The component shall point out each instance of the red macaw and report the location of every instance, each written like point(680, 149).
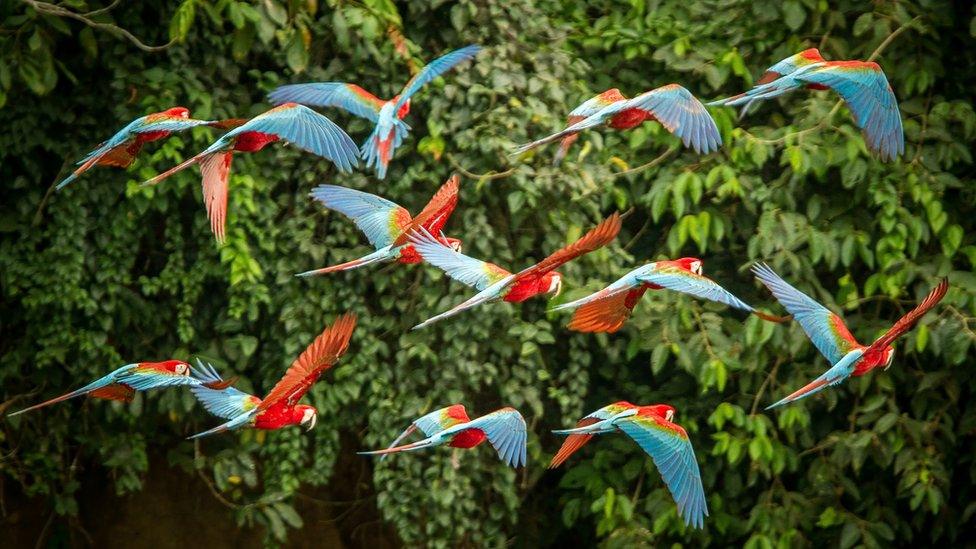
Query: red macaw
point(861, 84)
point(495, 283)
point(672, 106)
point(121, 149)
point(290, 122)
point(608, 309)
point(667, 443)
point(386, 224)
point(280, 407)
point(122, 384)
point(504, 429)
point(833, 339)
point(390, 129)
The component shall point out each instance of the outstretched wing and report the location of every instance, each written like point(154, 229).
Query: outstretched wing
point(434, 69)
point(682, 114)
point(435, 214)
point(596, 238)
point(505, 430)
point(668, 445)
point(790, 64)
point(215, 169)
point(607, 314)
point(381, 220)
point(226, 403)
point(825, 329)
point(306, 129)
point(465, 269)
point(866, 90)
point(325, 351)
point(680, 280)
point(142, 378)
point(906, 322)
point(348, 97)
point(169, 123)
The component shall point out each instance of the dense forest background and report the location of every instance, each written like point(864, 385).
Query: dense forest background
point(107, 272)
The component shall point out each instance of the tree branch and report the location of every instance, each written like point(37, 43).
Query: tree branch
point(47, 8)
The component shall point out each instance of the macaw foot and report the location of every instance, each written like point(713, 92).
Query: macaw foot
point(455, 459)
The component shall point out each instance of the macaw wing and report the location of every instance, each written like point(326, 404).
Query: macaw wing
point(441, 419)
point(435, 214)
point(906, 322)
point(120, 137)
point(833, 376)
point(668, 445)
point(576, 441)
point(465, 269)
point(606, 314)
point(596, 238)
point(307, 130)
point(381, 220)
point(682, 114)
point(434, 69)
point(170, 124)
point(215, 169)
point(325, 351)
point(825, 329)
point(869, 96)
point(576, 125)
point(595, 104)
point(226, 403)
point(348, 97)
point(686, 282)
point(506, 431)
point(142, 379)
point(790, 65)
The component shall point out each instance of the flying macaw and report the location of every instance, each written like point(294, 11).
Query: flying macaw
point(390, 129)
point(280, 407)
point(121, 149)
point(123, 383)
point(386, 224)
point(833, 339)
point(290, 122)
point(495, 283)
point(861, 84)
point(672, 106)
point(608, 309)
point(504, 429)
point(667, 443)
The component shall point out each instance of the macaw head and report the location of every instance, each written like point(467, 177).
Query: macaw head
point(552, 282)
point(306, 415)
point(454, 243)
point(889, 357)
point(179, 112)
point(661, 410)
point(404, 109)
point(177, 367)
point(691, 264)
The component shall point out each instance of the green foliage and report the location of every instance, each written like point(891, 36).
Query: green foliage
point(112, 272)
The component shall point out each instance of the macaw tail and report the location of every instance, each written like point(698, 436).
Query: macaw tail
point(95, 386)
point(413, 446)
point(772, 318)
point(377, 150)
point(84, 167)
point(569, 447)
point(235, 423)
point(478, 299)
point(377, 256)
point(563, 149)
point(179, 167)
point(813, 387)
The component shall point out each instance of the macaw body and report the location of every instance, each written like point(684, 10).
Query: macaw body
point(608, 309)
point(389, 129)
point(653, 429)
point(861, 84)
point(122, 383)
point(280, 407)
point(832, 337)
point(121, 149)
point(290, 122)
point(504, 429)
point(672, 106)
point(497, 284)
point(386, 224)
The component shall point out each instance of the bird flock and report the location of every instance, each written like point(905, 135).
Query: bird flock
point(396, 236)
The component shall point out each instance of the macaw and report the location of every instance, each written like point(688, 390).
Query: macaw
point(390, 129)
point(833, 339)
point(495, 283)
point(386, 224)
point(123, 383)
point(291, 122)
point(667, 443)
point(672, 106)
point(121, 149)
point(861, 84)
point(608, 309)
point(280, 407)
point(576, 441)
point(504, 429)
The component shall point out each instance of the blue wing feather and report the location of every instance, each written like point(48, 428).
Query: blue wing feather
point(372, 214)
point(692, 284)
point(434, 69)
point(349, 97)
point(682, 114)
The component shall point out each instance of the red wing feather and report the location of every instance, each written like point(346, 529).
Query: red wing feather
point(121, 156)
point(572, 443)
point(606, 315)
point(115, 391)
point(596, 238)
point(318, 357)
point(216, 169)
point(906, 322)
point(435, 213)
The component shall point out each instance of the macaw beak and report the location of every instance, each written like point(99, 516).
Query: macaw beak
point(559, 288)
point(311, 422)
point(669, 416)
